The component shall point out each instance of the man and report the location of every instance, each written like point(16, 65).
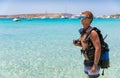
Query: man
point(91, 67)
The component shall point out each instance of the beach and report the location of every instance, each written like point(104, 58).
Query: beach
point(42, 48)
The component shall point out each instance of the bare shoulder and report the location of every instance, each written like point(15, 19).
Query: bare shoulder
point(94, 35)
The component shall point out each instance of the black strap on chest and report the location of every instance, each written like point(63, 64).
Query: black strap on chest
point(87, 39)
point(88, 34)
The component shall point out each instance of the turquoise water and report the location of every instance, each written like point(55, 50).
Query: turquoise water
point(42, 48)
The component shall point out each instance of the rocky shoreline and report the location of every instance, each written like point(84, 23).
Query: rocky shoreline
point(50, 15)
point(54, 15)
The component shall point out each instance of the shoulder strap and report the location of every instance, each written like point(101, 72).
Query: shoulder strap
point(88, 34)
point(89, 31)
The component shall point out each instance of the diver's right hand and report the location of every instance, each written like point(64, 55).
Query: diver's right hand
point(76, 43)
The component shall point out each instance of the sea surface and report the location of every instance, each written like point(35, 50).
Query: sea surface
point(42, 48)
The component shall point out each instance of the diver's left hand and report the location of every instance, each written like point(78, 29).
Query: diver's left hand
point(94, 68)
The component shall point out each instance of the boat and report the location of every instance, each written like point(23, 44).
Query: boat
point(16, 19)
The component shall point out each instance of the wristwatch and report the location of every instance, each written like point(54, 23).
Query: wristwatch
point(95, 65)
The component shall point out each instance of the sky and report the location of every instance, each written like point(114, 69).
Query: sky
point(98, 7)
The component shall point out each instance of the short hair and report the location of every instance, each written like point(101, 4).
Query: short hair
point(89, 15)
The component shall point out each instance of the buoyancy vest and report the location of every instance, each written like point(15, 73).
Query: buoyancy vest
point(90, 50)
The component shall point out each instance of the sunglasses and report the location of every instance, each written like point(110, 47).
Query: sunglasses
point(82, 17)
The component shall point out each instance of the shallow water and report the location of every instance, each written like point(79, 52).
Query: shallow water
point(42, 48)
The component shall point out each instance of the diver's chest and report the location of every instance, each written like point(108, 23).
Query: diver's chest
point(82, 39)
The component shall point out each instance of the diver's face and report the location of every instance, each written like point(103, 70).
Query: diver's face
point(84, 19)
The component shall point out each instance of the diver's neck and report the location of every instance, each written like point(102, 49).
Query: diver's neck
point(86, 27)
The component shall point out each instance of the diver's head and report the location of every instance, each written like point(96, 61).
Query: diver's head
point(87, 18)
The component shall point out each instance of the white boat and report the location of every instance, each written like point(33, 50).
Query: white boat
point(62, 16)
point(16, 19)
point(44, 17)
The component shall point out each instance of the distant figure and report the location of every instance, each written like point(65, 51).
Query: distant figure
point(91, 61)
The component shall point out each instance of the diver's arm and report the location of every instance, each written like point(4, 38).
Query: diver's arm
point(96, 43)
